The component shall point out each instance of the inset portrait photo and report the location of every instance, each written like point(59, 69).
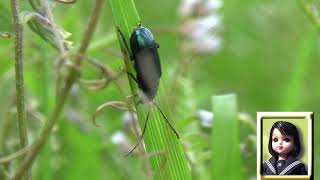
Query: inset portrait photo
point(284, 145)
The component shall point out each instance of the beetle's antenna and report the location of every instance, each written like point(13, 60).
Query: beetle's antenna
point(124, 40)
point(141, 137)
point(166, 119)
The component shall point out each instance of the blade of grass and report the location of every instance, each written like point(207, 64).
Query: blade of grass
point(296, 84)
point(168, 160)
point(300, 71)
point(310, 13)
point(226, 157)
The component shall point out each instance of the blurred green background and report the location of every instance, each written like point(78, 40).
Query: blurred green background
point(268, 55)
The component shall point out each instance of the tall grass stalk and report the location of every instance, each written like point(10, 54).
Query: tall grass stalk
point(300, 71)
point(166, 153)
point(296, 83)
point(310, 12)
point(19, 77)
point(225, 140)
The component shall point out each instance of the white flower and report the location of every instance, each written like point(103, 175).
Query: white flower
point(214, 4)
point(206, 118)
point(205, 26)
point(187, 6)
point(119, 138)
point(204, 45)
point(201, 32)
point(129, 117)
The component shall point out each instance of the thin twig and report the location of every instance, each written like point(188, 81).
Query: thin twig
point(39, 143)
point(11, 157)
point(19, 76)
point(89, 32)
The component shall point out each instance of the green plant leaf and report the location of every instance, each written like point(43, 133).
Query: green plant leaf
point(226, 157)
point(168, 160)
point(300, 72)
point(45, 29)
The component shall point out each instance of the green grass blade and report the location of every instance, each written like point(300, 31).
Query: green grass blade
point(226, 157)
point(168, 160)
point(300, 71)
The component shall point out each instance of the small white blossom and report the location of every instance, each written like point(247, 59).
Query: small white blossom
point(209, 44)
point(200, 27)
point(129, 117)
point(206, 118)
point(214, 4)
point(187, 6)
point(119, 138)
point(201, 30)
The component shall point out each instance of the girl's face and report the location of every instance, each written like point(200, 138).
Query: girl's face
point(281, 144)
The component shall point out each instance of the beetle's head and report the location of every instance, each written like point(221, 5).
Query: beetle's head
point(141, 38)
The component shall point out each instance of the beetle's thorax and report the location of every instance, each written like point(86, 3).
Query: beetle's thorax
point(141, 38)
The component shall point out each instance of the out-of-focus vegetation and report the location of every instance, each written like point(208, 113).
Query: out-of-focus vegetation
point(265, 52)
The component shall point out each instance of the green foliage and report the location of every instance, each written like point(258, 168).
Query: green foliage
point(225, 139)
point(300, 73)
point(5, 19)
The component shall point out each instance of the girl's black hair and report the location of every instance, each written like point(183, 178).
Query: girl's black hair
point(286, 129)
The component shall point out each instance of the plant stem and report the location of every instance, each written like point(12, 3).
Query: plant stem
point(165, 151)
point(19, 76)
point(73, 76)
point(310, 14)
point(7, 159)
point(226, 156)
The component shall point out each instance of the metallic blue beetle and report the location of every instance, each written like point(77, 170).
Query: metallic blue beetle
point(146, 61)
point(144, 53)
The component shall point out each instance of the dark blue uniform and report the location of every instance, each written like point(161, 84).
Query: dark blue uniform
point(291, 166)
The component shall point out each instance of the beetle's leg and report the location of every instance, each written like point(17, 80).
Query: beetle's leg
point(157, 45)
point(131, 75)
point(134, 95)
point(125, 42)
point(139, 102)
point(135, 79)
point(141, 137)
point(139, 24)
point(165, 118)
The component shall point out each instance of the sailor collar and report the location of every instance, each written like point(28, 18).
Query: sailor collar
point(289, 166)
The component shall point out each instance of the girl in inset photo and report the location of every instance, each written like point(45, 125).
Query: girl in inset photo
point(284, 146)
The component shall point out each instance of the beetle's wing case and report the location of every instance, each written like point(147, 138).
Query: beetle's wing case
point(148, 70)
point(146, 61)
